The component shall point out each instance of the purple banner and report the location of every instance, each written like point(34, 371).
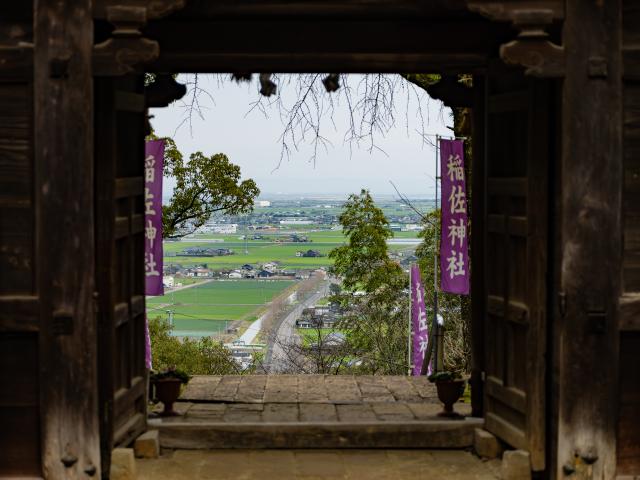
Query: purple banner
point(419, 328)
point(153, 160)
point(454, 257)
point(153, 157)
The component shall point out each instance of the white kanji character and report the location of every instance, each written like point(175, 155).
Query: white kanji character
point(150, 233)
point(150, 266)
point(423, 346)
point(456, 264)
point(149, 170)
point(419, 292)
point(454, 168)
point(422, 321)
point(457, 231)
point(148, 202)
point(457, 201)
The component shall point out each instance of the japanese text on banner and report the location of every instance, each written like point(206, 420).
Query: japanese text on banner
point(454, 257)
point(153, 159)
point(419, 328)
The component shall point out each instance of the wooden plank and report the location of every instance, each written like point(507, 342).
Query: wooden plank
point(19, 314)
point(630, 312)
point(125, 397)
point(513, 397)
point(350, 62)
point(129, 187)
point(63, 136)
point(591, 265)
point(129, 101)
point(515, 187)
point(351, 9)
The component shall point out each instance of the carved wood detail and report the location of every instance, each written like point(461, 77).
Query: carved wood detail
point(532, 48)
point(16, 47)
point(127, 49)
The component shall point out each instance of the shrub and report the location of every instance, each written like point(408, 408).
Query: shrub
point(195, 357)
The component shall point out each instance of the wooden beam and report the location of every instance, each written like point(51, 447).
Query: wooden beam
point(630, 312)
point(320, 9)
point(63, 137)
point(591, 239)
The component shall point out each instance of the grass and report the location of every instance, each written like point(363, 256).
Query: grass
point(210, 306)
point(267, 250)
point(310, 335)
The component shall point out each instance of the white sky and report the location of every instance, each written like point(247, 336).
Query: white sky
point(252, 140)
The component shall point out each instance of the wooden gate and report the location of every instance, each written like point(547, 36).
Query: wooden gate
point(517, 157)
point(119, 157)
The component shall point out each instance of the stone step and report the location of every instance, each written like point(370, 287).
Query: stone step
point(451, 434)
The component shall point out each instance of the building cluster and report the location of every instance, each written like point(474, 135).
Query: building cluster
point(204, 252)
point(173, 272)
point(319, 316)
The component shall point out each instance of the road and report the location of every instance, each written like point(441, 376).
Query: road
point(276, 360)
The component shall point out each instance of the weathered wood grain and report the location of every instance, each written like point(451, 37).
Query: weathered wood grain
point(63, 139)
point(591, 232)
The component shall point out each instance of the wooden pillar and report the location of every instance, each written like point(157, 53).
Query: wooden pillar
point(478, 291)
point(63, 140)
point(590, 282)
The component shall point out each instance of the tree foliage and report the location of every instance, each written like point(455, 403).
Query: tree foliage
point(204, 185)
point(195, 357)
point(375, 295)
point(364, 263)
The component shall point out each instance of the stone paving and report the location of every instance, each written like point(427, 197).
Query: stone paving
point(317, 465)
point(312, 411)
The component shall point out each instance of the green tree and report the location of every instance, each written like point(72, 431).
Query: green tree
point(363, 262)
point(195, 357)
point(204, 185)
point(375, 295)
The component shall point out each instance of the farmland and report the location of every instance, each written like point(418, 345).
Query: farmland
point(264, 250)
point(206, 308)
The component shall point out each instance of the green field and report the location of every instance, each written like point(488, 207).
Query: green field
point(266, 250)
point(207, 308)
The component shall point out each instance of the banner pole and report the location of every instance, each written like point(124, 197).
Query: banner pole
point(436, 327)
point(409, 369)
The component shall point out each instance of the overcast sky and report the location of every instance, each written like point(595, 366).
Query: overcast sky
point(253, 141)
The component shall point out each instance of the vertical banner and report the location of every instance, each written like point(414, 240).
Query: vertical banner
point(454, 257)
point(153, 160)
point(419, 327)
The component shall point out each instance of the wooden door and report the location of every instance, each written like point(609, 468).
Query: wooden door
point(517, 157)
point(119, 153)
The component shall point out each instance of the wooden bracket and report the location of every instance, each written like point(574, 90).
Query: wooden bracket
point(532, 49)
point(127, 49)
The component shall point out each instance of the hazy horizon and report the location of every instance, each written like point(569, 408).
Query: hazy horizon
point(252, 139)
